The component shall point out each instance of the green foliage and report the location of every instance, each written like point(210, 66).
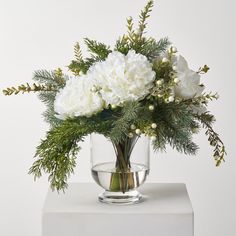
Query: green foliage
point(99, 50)
point(49, 115)
point(153, 49)
point(121, 126)
point(27, 88)
point(50, 78)
point(135, 40)
point(144, 15)
point(174, 126)
point(163, 70)
point(81, 66)
point(122, 45)
point(207, 120)
point(56, 155)
point(204, 69)
point(78, 52)
point(203, 99)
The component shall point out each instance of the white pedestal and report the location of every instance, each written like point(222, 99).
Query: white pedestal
point(165, 211)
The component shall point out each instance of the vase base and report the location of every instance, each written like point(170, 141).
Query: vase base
point(119, 198)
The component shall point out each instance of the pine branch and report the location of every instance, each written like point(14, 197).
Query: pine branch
point(153, 49)
point(121, 125)
point(174, 126)
point(55, 78)
point(48, 99)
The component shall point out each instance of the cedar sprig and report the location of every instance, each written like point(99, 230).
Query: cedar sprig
point(78, 52)
point(99, 51)
point(56, 154)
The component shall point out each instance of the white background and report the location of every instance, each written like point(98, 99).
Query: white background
point(41, 34)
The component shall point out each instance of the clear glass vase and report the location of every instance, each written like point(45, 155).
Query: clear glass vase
point(120, 168)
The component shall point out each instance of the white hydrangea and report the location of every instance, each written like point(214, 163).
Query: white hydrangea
point(77, 99)
point(122, 78)
point(118, 79)
point(189, 81)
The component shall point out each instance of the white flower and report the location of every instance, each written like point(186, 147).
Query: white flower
point(122, 78)
point(118, 79)
point(77, 99)
point(189, 81)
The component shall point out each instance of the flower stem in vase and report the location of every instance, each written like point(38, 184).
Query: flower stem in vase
point(122, 180)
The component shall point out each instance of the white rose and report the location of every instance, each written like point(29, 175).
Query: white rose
point(189, 81)
point(77, 99)
point(122, 78)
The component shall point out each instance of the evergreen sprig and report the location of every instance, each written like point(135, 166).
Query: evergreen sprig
point(56, 155)
point(207, 120)
point(78, 52)
point(174, 127)
point(135, 40)
point(144, 15)
point(50, 78)
point(122, 45)
point(121, 124)
point(99, 50)
point(153, 49)
point(203, 99)
point(23, 88)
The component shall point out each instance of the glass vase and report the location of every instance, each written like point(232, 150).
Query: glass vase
point(120, 168)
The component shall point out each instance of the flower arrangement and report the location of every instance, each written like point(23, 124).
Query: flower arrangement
point(141, 87)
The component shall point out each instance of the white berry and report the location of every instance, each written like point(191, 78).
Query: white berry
point(159, 82)
point(171, 98)
point(176, 80)
point(154, 125)
point(93, 89)
point(173, 49)
point(164, 60)
point(153, 138)
point(133, 127)
point(138, 131)
point(131, 135)
point(113, 106)
point(151, 107)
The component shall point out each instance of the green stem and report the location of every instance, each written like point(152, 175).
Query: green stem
point(123, 179)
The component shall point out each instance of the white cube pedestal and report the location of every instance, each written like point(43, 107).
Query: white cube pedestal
point(165, 211)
